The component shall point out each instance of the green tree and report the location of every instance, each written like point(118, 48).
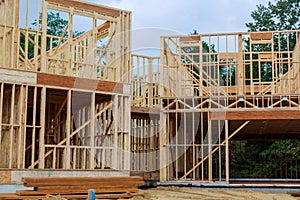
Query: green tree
point(273, 159)
point(280, 15)
point(55, 26)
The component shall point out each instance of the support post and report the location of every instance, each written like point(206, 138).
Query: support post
point(68, 131)
point(115, 144)
point(42, 130)
point(163, 148)
point(209, 132)
point(226, 152)
point(92, 131)
point(240, 67)
point(44, 67)
point(127, 137)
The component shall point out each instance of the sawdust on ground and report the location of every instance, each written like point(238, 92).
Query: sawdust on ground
point(179, 193)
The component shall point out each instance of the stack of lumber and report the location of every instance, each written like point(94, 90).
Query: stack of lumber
point(77, 187)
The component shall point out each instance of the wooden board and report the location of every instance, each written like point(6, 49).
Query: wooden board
point(261, 36)
point(17, 76)
point(144, 110)
point(76, 181)
point(228, 55)
point(80, 185)
point(256, 115)
point(11, 196)
point(88, 7)
point(79, 83)
point(82, 190)
point(266, 55)
point(190, 38)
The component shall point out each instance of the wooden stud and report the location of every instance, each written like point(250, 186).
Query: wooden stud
point(115, 131)
point(1, 112)
point(11, 126)
point(227, 153)
point(92, 132)
point(42, 129)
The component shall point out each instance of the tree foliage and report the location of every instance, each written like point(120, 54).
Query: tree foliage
point(280, 15)
point(268, 159)
point(271, 159)
point(55, 26)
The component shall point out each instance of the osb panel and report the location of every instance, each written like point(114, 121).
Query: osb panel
point(5, 177)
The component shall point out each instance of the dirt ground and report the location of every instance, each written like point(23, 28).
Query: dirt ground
point(179, 193)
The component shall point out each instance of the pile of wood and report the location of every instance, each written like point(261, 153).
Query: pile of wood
point(77, 187)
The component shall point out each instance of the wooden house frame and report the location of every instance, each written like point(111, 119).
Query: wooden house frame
point(65, 102)
point(70, 106)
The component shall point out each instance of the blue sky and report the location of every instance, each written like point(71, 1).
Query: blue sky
point(154, 18)
point(206, 16)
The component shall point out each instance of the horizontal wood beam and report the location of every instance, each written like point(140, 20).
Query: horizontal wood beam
point(142, 110)
point(256, 115)
point(88, 7)
point(190, 38)
point(79, 83)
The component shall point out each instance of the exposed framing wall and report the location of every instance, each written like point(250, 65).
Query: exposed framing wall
point(59, 128)
point(198, 106)
point(145, 81)
point(144, 122)
point(230, 64)
point(64, 54)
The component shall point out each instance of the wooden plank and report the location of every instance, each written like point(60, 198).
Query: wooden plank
point(267, 55)
point(190, 38)
point(80, 183)
point(145, 110)
point(17, 76)
point(68, 180)
point(92, 132)
point(240, 67)
point(67, 160)
point(43, 67)
point(261, 36)
point(42, 129)
point(24, 122)
point(79, 83)
point(103, 186)
point(33, 124)
point(11, 196)
point(115, 155)
point(228, 55)
point(11, 122)
point(1, 112)
point(226, 153)
point(256, 115)
point(75, 191)
point(88, 7)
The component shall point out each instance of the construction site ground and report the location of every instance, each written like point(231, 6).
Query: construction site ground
point(181, 193)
